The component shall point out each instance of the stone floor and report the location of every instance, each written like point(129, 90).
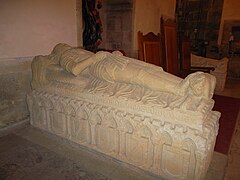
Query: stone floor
point(35, 152)
point(25, 145)
point(222, 166)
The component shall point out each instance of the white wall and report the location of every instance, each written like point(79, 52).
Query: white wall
point(29, 28)
point(32, 27)
point(147, 14)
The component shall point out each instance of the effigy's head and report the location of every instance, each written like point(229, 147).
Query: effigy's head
point(202, 84)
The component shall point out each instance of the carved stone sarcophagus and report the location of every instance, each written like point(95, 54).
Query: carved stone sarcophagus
point(127, 109)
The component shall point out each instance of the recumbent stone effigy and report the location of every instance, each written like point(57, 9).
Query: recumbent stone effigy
point(126, 109)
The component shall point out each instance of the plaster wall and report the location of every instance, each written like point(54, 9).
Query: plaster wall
point(30, 27)
point(147, 16)
point(230, 12)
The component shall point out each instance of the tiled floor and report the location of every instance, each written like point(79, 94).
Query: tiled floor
point(222, 166)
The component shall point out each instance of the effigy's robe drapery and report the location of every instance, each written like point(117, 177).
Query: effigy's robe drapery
point(127, 109)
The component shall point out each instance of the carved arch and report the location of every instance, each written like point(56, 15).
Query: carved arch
point(70, 110)
point(145, 132)
point(109, 121)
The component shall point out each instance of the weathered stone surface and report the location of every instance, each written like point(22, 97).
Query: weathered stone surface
point(127, 109)
point(15, 78)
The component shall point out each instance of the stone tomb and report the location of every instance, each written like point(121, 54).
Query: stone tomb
point(147, 118)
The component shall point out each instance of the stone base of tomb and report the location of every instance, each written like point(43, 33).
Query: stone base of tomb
point(154, 140)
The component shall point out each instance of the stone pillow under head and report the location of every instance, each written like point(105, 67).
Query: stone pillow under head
point(70, 59)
